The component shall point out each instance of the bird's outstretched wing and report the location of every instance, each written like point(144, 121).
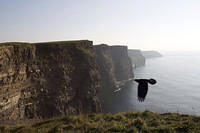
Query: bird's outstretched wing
point(142, 91)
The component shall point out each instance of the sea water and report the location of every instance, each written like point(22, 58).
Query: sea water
point(177, 89)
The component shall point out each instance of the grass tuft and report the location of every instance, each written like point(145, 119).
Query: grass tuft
point(126, 122)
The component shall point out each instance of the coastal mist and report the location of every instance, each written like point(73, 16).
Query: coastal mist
point(177, 89)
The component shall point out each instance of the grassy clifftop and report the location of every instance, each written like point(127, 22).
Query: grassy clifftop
point(146, 122)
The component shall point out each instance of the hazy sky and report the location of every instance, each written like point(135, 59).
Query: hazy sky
point(143, 24)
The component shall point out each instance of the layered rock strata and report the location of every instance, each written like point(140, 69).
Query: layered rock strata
point(42, 80)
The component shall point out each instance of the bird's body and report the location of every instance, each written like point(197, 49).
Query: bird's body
point(143, 87)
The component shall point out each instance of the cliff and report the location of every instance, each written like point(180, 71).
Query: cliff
point(136, 57)
point(122, 63)
point(114, 65)
point(151, 54)
point(115, 69)
point(42, 80)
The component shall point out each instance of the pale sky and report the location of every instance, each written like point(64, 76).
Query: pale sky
point(140, 24)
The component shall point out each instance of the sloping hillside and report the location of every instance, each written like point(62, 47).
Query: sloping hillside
point(127, 122)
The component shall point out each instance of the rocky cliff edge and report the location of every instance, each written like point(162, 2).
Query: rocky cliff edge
point(42, 80)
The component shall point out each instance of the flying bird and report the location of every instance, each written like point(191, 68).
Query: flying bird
point(143, 87)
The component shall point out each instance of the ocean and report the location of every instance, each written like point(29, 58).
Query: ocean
point(177, 89)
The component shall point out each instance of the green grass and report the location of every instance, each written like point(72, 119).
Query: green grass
point(53, 42)
point(23, 44)
point(62, 42)
point(107, 58)
point(130, 122)
point(86, 51)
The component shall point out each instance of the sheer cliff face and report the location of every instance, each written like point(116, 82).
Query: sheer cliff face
point(122, 63)
point(136, 57)
point(115, 69)
point(114, 65)
point(106, 66)
point(151, 54)
point(47, 79)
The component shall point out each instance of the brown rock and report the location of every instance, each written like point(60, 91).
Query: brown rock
point(43, 80)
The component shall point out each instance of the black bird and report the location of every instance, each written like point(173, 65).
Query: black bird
point(143, 87)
